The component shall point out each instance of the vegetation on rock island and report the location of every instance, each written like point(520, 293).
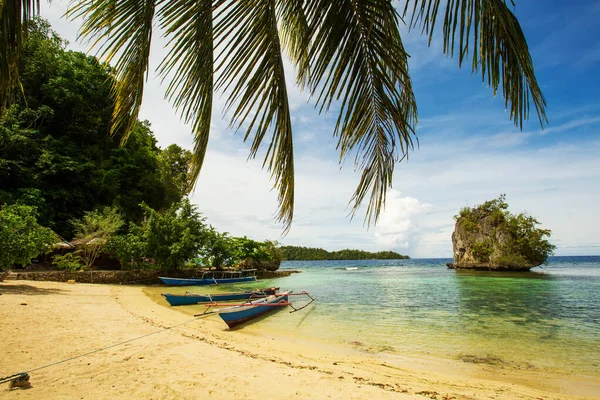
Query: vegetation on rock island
point(292, 253)
point(488, 236)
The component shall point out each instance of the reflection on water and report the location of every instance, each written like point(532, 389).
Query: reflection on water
point(548, 319)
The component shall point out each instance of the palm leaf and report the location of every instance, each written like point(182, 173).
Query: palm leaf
point(123, 32)
point(491, 32)
point(250, 68)
point(188, 25)
point(357, 56)
point(14, 17)
point(295, 36)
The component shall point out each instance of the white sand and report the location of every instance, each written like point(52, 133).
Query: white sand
point(201, 359)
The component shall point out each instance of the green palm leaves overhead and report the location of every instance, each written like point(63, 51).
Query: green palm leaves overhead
point(491, 32)
point(348, 54)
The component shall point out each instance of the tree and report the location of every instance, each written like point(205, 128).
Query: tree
point(310, 253)
point(174, 236)
point(130, 249)
point(21, 237)
point(55, 151)
point(251, 249)
point(174, 163)
point(345, 51)
point(220, 249)
point(93, 230)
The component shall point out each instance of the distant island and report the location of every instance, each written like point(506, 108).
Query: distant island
point(299, 253)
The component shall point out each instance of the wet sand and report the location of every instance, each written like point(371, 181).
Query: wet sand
point(197, 358)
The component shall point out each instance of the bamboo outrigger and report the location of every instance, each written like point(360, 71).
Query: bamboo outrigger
point(238, 314)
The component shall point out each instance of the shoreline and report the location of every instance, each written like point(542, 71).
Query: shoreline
point(124, 277)
point(199, 358)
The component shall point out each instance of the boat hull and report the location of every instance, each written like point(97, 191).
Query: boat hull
point(191, 298)
point(237, 315)
point(205, 281)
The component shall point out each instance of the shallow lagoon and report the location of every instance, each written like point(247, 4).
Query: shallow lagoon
point(547, 319)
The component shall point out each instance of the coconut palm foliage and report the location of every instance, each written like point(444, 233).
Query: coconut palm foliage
point(348, 54)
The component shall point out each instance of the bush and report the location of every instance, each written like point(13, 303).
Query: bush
point(94, 230)
point(483, 250)
point(69, 262)
point(21, 237)
point(131, 249)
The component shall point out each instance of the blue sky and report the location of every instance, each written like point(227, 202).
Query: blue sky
point(469, 149)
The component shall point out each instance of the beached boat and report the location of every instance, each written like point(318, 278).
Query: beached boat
point(236, 315)
point(192, 298)
point(213, 278)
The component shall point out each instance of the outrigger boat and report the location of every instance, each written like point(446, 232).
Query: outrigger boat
point(236, 315)
point(192, 298)
point(213, 278)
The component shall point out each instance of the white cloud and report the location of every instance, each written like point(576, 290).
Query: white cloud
point(571, 124)
point(395, 228)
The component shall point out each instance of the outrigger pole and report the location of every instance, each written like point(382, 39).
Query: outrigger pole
point(282, 303)
point(300, 294)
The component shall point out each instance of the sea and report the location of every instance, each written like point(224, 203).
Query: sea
point(546, 319)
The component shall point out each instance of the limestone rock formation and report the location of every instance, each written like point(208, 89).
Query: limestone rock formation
point(488, 237)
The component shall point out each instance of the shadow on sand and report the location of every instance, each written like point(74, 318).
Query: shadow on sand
point(27, 289)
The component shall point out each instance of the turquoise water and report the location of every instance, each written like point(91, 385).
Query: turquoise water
point(546, 319)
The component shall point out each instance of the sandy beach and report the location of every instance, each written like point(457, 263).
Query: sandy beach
point(197, 358)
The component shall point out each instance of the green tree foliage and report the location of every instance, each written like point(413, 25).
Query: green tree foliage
point(252, 249)
point(164, 240)
point(21, 237)
point(220, 249)
point(501, 239)
point(69, 262)
point(174, 236)
point(311, 253)
point(93, 230)
point(174, 162)
point(273, 250)
point(223, 250)
point(55, 149)
point(131, 249)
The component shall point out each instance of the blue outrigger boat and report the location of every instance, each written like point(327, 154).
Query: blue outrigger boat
point(239, 314)
point(213, 278)
point(192, 298)
point(236, 315)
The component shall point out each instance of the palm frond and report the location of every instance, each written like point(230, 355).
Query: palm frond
point(295, 36)
point(14, 17)
point(123, 33)
point(188, 25)
point(250, 68)
point(490, 31)
point(357, 56)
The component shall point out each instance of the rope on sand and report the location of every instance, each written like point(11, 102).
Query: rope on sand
point(19, 379)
